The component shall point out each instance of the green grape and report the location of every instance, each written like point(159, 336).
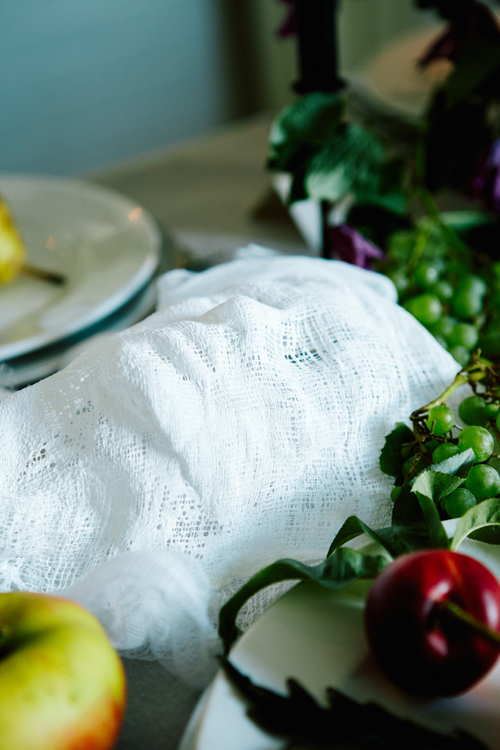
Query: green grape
point(467, 302)
point(466, 305)
point(463, 334)
point(460, 354)
point(443, 327)
point(483, 481)
point(443, 418)
point(479, 439)
point(443, 290)
point(459, 502)
point(444, 451)
point(426, 308)
point(426, 275)
point(473, 284)
point(472, 411)
point(491, 411)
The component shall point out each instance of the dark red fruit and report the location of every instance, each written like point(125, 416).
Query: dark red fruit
point(420, 647)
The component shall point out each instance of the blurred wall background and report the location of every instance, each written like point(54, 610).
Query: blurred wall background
point(364, 26)
point(85, 83)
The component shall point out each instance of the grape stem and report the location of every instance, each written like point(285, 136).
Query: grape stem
point(476, 371)
point(420, 245)
point(434, 213)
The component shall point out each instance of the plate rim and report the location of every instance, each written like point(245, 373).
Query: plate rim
point(114, 301)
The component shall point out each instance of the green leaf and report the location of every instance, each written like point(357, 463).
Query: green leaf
point(438, 538)
point(389, 194)
point(300, 129)
point(349, 162)
point(414, 536)
point(406, 510)
point(409, 522)
point(394, 202)
point(464, 221)
point(297, 190)
point(350, 529)
point(485, 514)
point(343, 567)
point(436, 484)
point(415, 520)
point(458, 464)
point(391, 462)
point(354, 527)
point(303, 722)
point(486, 534)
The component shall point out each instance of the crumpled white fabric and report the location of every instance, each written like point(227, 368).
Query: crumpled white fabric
point(239, 424)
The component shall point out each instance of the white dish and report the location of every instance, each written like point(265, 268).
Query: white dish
point(317, 637)
point(106, 246)
point(17, 373)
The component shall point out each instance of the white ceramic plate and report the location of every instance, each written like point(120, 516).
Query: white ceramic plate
point(317, 637)
point(106, 246)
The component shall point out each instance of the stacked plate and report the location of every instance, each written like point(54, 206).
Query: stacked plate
point(107, 250)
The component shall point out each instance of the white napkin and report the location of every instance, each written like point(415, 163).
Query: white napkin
point(240, 423)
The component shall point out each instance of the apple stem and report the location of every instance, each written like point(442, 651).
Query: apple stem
point(467, 619)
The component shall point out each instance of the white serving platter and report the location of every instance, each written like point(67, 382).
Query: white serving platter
point(317, 637)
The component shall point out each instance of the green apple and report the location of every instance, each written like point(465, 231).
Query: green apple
point(62, 684)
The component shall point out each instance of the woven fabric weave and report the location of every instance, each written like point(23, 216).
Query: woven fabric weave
point(240, 423)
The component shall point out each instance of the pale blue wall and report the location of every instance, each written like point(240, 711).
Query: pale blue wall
point(87, 82)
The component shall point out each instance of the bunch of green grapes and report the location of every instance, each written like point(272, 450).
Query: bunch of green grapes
point(454, 293)
point(438, 439)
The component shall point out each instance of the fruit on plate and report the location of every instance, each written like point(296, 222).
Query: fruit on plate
point(62, 684)
point(415, 640)
point(12, 248)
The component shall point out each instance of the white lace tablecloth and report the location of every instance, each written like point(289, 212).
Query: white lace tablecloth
point(240, 423)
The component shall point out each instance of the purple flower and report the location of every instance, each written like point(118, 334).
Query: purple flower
point(347, 244)
point(288, 27)
point(466, 20)
point(485, 183)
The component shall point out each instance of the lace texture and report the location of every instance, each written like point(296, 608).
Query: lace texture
point(240, 423)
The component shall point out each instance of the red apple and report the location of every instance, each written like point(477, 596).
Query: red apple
point(417, 645)
point(62, 684)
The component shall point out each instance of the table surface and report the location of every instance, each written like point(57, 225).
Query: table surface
point(210, 194)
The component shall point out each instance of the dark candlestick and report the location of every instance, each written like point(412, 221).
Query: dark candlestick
point(317, 46)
